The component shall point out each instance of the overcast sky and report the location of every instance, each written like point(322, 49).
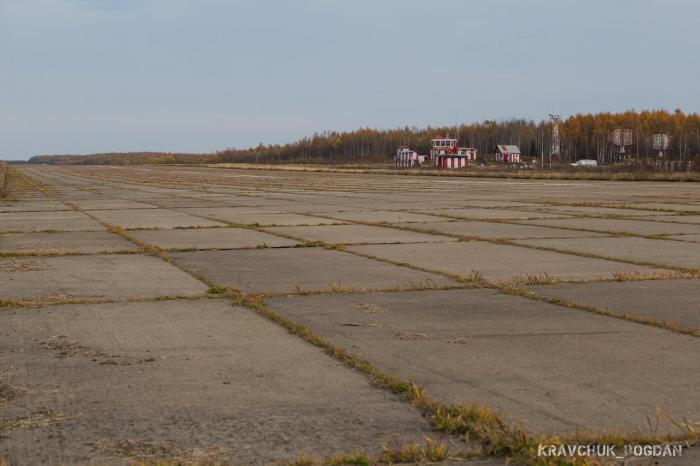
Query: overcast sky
point(81, 76)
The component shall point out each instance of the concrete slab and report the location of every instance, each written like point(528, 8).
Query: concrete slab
point(48, 221)
point(498, 262)
point(355, 205)
point(188, 202)
point(195, 381)
point(225, 212)
point(262, 216)
point(492, 214)
point(651, 251)
point(552, 368)
point(254, 200)
point(665, 206)
point(284, 220)
point(151, 218)
point(357, 234)
point(594, 211)
point(673, 301)
point(694, 219)
point(496, 230)
point(324, 209)
point(210, 238)
point(84, 242)
point(688, 238)
point(109, 276)
point(111, 204)
point(290, 270)
point(31, 205)
point(473, 203)
point(622, 226)
point(288, 192)
point(233, 200)
point(146, 196)
point(386, 216)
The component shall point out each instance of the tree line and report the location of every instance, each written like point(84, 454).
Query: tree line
point(582, 136)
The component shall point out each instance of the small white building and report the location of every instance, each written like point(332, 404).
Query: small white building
point(507, 153)
point(408, 158)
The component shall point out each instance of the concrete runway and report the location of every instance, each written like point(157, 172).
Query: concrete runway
point(564, 306)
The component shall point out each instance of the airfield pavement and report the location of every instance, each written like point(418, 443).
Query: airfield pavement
point(197, 314)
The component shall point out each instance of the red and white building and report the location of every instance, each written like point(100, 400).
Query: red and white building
point(408, 158)
point(507, 153)
point(446, 154)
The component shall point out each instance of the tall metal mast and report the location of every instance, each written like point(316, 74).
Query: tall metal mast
point(556, 142)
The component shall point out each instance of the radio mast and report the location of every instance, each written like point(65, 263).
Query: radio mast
point(556, 142)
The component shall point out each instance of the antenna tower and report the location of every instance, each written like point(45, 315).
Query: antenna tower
point(660, 142)
point(556, 141)
point(621, 138)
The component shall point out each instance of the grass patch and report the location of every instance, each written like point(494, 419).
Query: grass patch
point(531, 280)
point(473, 276)
point(626, 275)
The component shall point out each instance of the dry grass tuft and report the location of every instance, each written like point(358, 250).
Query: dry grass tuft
point(626, 275)
point(215, 290)
point(473, 276)
point(532, 280)
point(432, 451)
point(689, 429)
point(636, 275)
point(5, 302)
